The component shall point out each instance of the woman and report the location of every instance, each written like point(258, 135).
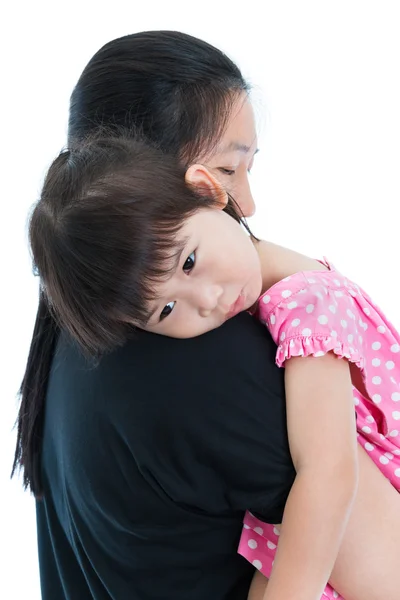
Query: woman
point(144, 465)
point(114, 509)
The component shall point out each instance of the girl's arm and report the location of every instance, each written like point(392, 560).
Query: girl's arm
point(322, 437)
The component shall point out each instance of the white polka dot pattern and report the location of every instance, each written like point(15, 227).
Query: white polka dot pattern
point(330, 317)
point(258, 545)
point(319, 312)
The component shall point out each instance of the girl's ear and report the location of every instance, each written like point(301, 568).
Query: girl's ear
point(204, 182)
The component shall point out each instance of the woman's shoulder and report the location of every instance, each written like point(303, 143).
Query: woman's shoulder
point(241, 350)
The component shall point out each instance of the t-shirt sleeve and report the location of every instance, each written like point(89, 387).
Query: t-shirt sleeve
point(212, 418)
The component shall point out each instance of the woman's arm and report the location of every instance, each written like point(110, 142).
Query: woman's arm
point(322, 436)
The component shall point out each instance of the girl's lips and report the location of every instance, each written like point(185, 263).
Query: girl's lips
point(236, 307)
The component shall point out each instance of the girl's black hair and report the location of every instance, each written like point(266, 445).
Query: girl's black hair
point(105, 231)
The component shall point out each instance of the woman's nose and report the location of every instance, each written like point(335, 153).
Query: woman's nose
point(246, 201)
point(208, 298)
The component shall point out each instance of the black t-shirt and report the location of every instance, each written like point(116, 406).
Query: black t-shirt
point(150, 460)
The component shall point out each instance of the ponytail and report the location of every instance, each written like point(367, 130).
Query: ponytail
point(33, 393)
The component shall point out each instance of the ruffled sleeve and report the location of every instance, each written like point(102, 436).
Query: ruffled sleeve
point(312, 315)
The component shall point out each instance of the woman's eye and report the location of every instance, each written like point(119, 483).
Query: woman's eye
point(189, 263)
point(227, 171)
point(167, 310)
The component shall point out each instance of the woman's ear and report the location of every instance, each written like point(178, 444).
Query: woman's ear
point(204, 182)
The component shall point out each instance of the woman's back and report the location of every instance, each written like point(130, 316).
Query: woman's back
point(150, 459)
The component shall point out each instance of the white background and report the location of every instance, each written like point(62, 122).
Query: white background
point(326, 181)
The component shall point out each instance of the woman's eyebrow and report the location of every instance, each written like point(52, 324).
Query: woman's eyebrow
point(238, 147)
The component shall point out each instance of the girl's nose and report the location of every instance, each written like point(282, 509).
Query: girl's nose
point(208, 298)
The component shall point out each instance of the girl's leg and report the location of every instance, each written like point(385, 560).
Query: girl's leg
point(368, 564)
point(258, 587)
point(260, 583)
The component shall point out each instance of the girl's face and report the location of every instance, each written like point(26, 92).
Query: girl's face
point(217, 276)
point(232, 160)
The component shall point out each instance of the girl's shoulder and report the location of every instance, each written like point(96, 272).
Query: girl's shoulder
point(281, 264)
point(314, 312)
point(312, 278)
point(287, 273)
point(313, 281)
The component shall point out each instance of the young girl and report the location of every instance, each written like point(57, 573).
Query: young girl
point(179, 264)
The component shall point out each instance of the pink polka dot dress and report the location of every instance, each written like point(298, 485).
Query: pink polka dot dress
point(315, 312)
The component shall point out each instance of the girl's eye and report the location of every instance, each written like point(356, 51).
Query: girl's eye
point(189, 263)
point(167, 310)
point(227, 171)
